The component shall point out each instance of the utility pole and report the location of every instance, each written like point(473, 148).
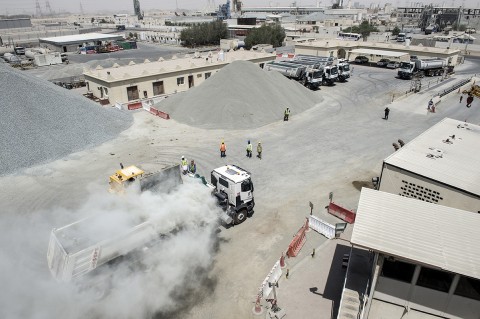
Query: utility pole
point(38, 10)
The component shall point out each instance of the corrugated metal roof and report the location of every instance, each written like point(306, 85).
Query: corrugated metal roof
point(437, 155)
point(379, 52)
point(81, 38)
point(435, 235)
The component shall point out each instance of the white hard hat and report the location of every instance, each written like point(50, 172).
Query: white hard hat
point(183, 157)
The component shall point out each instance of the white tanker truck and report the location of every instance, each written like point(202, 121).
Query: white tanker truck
point(425, 67)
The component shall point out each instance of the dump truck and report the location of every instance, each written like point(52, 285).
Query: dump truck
point(343, 70)
point(77, 249)
point(423, 67)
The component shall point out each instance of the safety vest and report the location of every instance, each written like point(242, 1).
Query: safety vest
point(249, 147)
point(287, 112)
point(259, 148)
point(193, 168)
point(223, 147)
point(184, 162)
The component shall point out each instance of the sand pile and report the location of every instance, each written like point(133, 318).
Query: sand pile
point(240, 96)
point(41, 122)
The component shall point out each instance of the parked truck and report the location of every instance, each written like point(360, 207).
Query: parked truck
point(308, 76)
point(423, 67)
point(330, 71)
point(76, 249)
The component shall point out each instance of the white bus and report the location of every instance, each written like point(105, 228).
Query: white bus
point(349, 36)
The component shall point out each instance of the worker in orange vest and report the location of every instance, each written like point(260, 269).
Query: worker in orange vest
point(223, 149)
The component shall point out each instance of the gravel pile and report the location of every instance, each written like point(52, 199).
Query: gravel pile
point(41, 122)
point(240, 96)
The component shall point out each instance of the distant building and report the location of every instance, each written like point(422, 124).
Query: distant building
point(72, 43)
point(15, 23)
point(150, 80)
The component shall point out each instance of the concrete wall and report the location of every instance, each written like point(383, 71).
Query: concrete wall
point(391, 182)
point(15, 23)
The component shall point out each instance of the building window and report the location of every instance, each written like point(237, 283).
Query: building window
point(105, 90)
point(398, 270)
point(468, 288)
point(435, 279)
point(158, 88)
point(180, 81)
point(199, 75)
point(132, 93)
point(207, 75)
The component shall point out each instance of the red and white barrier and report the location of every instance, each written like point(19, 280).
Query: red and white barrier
point(297, 243)
point(161, 114)
point(321, 227)
point(342, 213)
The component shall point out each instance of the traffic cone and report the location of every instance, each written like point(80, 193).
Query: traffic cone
point(282, 261)
point(257, 310)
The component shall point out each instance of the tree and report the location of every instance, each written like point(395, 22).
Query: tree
point(93, 20)
point(365, 28)
point(273, 35)
point(396, 31)
point(204, 34)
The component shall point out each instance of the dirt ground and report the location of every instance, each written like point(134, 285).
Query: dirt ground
point(336, 147)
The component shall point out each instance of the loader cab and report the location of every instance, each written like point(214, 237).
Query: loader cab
point(123, 178)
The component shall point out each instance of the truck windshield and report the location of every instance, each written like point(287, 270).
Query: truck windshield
point(317, 74)
point(345, 67)
point(247, 185)
point(334, 70)
point(405, 65)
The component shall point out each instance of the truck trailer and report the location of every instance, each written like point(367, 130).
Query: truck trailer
point(309, 77)
point(77, 249)
point(423, 67)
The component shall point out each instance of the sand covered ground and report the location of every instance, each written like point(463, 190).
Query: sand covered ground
point(324, 148)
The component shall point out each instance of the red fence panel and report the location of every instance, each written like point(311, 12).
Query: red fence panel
point(297, 243)
point(342, 213)
point(135, 106)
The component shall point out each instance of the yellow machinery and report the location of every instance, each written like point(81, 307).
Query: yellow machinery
point(474, 90)
point(124, 177)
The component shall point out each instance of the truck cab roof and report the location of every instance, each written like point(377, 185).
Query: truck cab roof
point(126, 173)
point(233, 173)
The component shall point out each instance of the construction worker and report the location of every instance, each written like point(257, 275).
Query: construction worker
point(430, 104)
point(249, 149)
point(387, 111)
point(286, 114)
point(193, 167)
point(259, 150)
point(469, 100)
point(184, 165)
point(223, 149)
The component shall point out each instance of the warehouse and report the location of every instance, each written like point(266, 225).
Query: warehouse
point(135, 82)
point(72, 43)
point(345, 49)
point(425, 257)
point(438, 166)
point(377, 55)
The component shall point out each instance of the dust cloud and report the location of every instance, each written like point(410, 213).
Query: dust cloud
point(160, 280)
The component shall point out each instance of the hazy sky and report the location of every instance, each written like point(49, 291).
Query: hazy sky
point(28, 6)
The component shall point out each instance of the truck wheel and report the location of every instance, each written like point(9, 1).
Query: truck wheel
point(241, 216)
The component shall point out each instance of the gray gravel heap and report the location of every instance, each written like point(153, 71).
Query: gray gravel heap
point(239, 96)
point(41, 122)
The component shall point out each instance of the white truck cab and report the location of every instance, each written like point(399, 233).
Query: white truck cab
point(233, 188)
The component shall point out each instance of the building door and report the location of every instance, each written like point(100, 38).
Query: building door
point(132, 93)
point(190, 81)
point(341, 54)
point(158, 88)
point(64, 48)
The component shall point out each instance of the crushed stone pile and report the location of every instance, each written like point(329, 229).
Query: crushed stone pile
point(239, 96)
point(41, 122)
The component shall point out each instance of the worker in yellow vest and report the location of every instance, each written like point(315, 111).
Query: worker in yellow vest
point(286, 114)
point(259, 150)
point(249, 149)
point(184, 165)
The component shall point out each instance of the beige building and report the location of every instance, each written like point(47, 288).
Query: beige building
point(133, 83)
point(350, 49)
